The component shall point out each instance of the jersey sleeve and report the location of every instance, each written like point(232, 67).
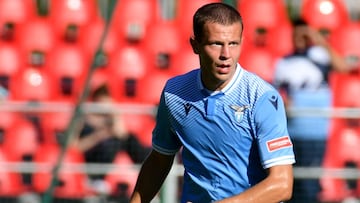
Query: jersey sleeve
point(164, 140)
point(274, 143)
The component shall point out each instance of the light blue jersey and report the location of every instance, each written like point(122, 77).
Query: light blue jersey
point(229, 138)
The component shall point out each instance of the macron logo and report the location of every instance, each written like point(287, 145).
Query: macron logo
point(278, 143)
point(274, 101)
point(187, 108)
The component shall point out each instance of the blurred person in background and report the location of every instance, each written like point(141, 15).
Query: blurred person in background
point(104, 135)
point(3, 93)
point(302, 78)
point(229, 124)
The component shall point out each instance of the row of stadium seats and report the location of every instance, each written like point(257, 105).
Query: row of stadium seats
point(72, 183)
point(127, 60)
point(47, 58)
point(29, 130)
point(344, 137)
point(37, 139)
point(62, 71)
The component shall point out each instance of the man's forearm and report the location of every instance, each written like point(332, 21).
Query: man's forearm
point(275, 188)
point(151, 177)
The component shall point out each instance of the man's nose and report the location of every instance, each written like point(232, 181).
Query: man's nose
point(225, 52)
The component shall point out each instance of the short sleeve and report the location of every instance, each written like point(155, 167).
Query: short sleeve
point(275, 146)
point(164, 140)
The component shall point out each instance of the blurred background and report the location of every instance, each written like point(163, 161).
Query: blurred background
point(62, 61)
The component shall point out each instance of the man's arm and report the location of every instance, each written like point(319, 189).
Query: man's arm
point(152, 175)
point(338, 62)
point(275, 188)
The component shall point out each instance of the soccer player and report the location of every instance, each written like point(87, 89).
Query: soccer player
point(229, 123)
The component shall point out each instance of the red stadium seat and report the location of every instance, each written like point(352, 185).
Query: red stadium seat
point(10, 59)
point(128, 62)
point(90, 38)
point(162, 42)
point(72, 14)
point(279, 40)
point(13, 13)
point(98, 78)
point(122, 180)
point(11, 185)
point(72, 183)
point(8, 118)
point(261, 18)
point(25, 135)
point(68, 67)
point(32, 84)
point(10, 63)
point(273, 13)
point(184, 61)
point(131, 18)
point(341, 150)
point(126, 67)
point(327, 15)
point(184, 11)
point(141, 125)
point(260, 61)
point(54, 125)
point(150, 87)
point(345, 87)
point(16, 11)
point(35, 38)
point(347, 42)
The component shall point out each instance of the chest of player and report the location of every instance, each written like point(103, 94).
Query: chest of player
point(213, 122)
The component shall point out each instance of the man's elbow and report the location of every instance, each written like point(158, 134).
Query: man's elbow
point(286, 191)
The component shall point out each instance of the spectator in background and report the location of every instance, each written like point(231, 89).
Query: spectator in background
point(302, 79)
point(4, 93)
point(103, 135)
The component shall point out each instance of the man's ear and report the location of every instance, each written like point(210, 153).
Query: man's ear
point(194, 45)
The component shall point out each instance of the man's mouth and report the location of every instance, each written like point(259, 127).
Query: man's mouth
point(223, 66)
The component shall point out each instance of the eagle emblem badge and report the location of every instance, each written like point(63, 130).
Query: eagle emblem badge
point(239, 112)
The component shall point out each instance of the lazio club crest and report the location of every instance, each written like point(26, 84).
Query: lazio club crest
point(239, 112)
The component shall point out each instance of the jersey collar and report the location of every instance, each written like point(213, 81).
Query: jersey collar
point(227, 89)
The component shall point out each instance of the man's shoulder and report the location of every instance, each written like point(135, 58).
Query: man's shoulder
point(253, 86)
point(254, 81)
point(185, 79)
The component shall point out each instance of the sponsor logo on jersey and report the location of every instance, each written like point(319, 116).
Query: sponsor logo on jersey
point(278, 143)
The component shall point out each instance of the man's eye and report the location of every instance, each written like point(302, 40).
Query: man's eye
point(215, 44)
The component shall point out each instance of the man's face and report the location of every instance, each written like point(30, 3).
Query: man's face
point(219, 52)
point(301, 37)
